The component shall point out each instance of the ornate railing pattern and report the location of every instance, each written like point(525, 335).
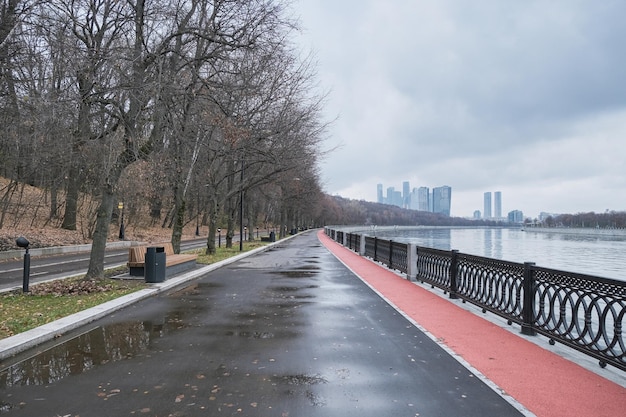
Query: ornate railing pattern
point(392, 254)
point(383, 251)
point(584, 312)
point(398, 258)
point(492, 284)
point(354, 241)
point(433, 266)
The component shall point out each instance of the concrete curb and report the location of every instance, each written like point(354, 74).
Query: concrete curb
point(57, 250)
point(13, 345)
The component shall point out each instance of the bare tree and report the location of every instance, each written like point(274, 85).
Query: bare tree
point(208, 93)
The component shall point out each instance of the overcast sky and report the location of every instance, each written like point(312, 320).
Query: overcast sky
point(523, 97)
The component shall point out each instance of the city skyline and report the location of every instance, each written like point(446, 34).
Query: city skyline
point(439, 200)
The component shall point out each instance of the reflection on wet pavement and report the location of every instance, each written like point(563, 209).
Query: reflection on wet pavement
point(111, 343)
point(124, 340)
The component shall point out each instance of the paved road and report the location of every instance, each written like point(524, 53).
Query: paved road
point(55, 266)
point(288, 332)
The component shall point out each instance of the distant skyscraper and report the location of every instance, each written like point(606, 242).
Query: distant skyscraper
point(516, 216)
point(390, 191)
point(442, 197)
point(397, 199)
point(379, 194)
point(476, 214)
point(423, 199)
point(487, 208)
point(406, 195)
point(414, 200)
point(497, 204)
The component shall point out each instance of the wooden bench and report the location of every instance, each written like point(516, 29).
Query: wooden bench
point(174, 263)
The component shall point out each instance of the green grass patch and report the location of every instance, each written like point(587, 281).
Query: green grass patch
point(47, 302)
point(225, 253)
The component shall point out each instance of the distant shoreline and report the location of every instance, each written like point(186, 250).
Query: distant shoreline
point(589, 231)
point(581, 231)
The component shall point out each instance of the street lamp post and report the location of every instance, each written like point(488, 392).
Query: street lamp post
point(120, 206)
point(22, 242)
point(241, 210)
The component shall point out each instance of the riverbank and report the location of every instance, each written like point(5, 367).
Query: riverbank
point(582, 231)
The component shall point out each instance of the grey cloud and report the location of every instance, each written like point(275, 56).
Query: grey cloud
point(475, 94)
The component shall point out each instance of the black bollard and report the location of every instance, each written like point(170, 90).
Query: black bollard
point(22, 242)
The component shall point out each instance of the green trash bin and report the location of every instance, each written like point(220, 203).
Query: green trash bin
point(155, 264)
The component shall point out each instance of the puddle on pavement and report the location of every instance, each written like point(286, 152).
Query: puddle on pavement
point(250, 335)
point(300, 385)
point(301, 379)
point(102, 345)
point(297, 273)
point(294, 288)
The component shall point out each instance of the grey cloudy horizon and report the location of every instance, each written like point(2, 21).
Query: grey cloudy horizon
point(527, 98)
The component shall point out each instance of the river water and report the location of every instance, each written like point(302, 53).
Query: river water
point(599, 255)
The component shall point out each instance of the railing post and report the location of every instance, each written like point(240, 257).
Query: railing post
point(453, 273)
point(345, 238)
point(411, 261)
point(375, 249)
point(390, 261)
point(362, 248)
point(528, 303)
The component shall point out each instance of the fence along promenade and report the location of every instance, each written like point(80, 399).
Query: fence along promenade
point(581, 311)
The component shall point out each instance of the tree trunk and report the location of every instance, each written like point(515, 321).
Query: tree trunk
point(210, 243)
point(101, 232)
point(5, 201)
point(179, 219)
point(230, 222)
point(54, 191)
point(251, 218)
point(283, 221)
point(230, 231)
point(71, 199)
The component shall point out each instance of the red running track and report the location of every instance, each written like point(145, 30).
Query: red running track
point(545, 383)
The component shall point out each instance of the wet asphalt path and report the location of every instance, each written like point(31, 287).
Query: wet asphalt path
point(289, 332)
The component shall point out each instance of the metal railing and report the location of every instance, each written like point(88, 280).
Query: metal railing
point(584, 312)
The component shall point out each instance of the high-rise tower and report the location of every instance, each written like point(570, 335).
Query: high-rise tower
point(379, 194)
point(442, 198)
point(423, 199)
point(487, 205)
point(497, 205)
point(406, 195)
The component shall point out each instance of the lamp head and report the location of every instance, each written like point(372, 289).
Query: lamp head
point(22, 242)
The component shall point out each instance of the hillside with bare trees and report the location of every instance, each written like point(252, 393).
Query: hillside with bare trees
point(164, 113)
